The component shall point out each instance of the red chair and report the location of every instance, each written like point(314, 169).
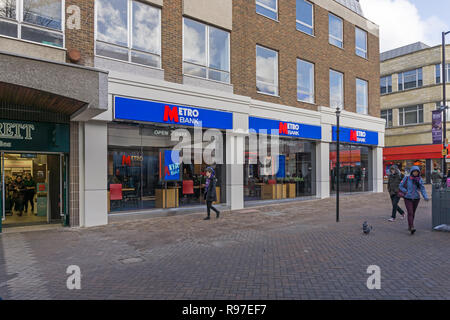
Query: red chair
point(115, 193)
point(272, 181)
point(188, 188)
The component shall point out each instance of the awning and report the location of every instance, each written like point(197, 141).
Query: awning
point(433, 151)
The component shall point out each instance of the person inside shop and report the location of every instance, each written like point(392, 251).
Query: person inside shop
point(19, 195)
point(117, 178)
point(9, 192)
point(395, 177)
point(30, 190)
point(437, 176)
point(210, 192)
point(412, 186)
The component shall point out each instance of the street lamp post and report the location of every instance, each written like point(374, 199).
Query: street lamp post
point(338, 162)
point(444, 103)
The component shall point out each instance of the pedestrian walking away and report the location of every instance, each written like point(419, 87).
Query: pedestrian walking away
point(412, 186)
point(210, 192)
point(395, 178)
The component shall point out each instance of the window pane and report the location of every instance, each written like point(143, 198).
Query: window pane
point(411, 117)
point(361, 42)
point(335, 30)
point(219, 49)
point(112, 21)
point(110, 51)
point(267, 8)
point(268, 3)
point(304, 28)
point(42, 36)
point(410, 79)
point(146, 28)
point(305, 81)
point(401, 115)
point(194, 42)
point(7, 10)
point(305, 12)
point(8, 29)
point(46, 13)
point(438, 73)
point(361, 96)
point(265, 88)
point(266, 65)
point(219, 76)
point(336, 90)
point(194, 70)
point(337, 43)
point(146, 59)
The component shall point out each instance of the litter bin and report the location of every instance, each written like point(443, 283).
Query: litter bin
point(440, 207)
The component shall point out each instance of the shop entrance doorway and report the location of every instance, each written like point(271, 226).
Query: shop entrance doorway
point(33, 188)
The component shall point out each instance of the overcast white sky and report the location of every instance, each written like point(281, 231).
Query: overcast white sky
point(404, 22)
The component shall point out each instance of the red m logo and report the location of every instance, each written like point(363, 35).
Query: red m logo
point(170, 114)
point(283, 128)
point(126, 160)
point(353, 136)
point(166, 171)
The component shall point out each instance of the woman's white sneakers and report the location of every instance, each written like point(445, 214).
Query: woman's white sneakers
point(391, 220)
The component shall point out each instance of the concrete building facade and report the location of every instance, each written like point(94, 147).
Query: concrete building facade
point(407, 106)
point(239, 67)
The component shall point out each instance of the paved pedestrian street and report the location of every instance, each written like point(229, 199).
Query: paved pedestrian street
point(290, 250)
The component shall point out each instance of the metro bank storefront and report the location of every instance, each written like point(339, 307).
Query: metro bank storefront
point(142, 174)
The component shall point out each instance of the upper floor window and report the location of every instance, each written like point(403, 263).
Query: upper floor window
point(305, 81)
point(335, 31)
point(336, 90)
point(130, 31)
point(40, 21)
point(387, 115)
point(305, 16)
point(266, 71)
point(438, 69)
point(386, 84)
point(362, 96)
point(268, 8)
point(411, 115)
point(206, 51)
point(361, 42)
point(410, 79)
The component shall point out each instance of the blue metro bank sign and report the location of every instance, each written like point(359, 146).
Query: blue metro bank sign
point(150, 111)
point(283, 128)
point(356, 136)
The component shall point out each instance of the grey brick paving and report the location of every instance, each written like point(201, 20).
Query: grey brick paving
point(249, 254)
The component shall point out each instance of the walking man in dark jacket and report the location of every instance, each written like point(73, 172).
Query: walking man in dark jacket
point(393, 186)
point(210, 192)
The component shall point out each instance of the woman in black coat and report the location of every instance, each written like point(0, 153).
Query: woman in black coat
point(395, 178)
point(210, 192)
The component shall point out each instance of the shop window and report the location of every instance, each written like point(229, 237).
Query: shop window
point(336, 90)
point(362, 96)
point(360, 42)
point(305, 17)
point(410, 79)
point(438, 70)
point(266, 71)
point(411, 115)
point(387, 115)
point(130, 31)
point(386, 84)
point(267, 8)
point(206, 51)
point(305, 81)
point(38, 21)
point(336, 31)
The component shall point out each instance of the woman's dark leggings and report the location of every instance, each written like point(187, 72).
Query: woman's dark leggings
point(209, 206)
point(411, 207)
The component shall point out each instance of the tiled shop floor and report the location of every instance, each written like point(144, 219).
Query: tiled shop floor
point(293, 250)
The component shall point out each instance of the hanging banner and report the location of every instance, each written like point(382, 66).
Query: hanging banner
point(436, 129)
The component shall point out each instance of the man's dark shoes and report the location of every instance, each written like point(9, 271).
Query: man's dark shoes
point(207, 218)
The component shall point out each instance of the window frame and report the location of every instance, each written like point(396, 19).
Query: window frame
point(367, 95)
point(304, 23)
point(207, 26)
point(401, 77)
point(258, 3)
point(313, 93)
point(332, 36)
point(361, 49)
point(387, 85)
point(129, 46)
point(402, 115)
point(389, 115)
point(343, 88)
point(276, 80)
point(440, 73)
point(19, 22)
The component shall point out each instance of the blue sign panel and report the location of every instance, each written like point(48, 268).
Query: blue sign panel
point(288, 129)
point(281, 166)
point(356, 136)
point(171, 165)
point(150, 111)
